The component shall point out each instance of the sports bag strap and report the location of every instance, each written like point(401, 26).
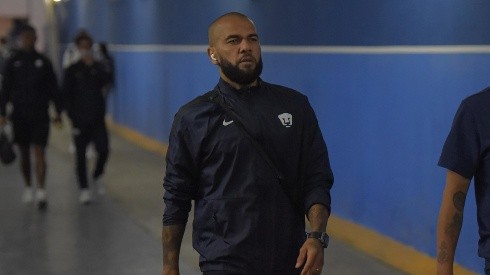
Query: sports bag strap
point(217, 98)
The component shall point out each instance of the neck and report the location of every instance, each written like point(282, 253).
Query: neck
point(238, 86)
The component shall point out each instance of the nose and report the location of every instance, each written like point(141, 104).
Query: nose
point(246, 45)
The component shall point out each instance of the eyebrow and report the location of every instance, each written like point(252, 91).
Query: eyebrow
point(238, 36)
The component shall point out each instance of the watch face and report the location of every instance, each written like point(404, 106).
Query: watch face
point(325, 239)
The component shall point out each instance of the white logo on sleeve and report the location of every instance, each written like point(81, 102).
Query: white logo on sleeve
point(286, 119)
point(226, 123)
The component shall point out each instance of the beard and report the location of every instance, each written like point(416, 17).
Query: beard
point(237, 75)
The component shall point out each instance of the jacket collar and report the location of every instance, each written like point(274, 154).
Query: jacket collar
point(227, 90)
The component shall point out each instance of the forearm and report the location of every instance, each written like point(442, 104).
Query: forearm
point(448, 230)
point(318, 217)
point(171, 242)
point(450, 221)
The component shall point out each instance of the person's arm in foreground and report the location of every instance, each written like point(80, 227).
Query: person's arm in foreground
point(180, 189)
point(318, 182)
point(171, 242)
point(450, 221)
point(311, 253)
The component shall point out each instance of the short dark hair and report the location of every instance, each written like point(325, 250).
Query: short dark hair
point(27, 28)
point(83, 35)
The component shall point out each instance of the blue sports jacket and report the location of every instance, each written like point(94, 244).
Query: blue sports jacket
point(244, 219)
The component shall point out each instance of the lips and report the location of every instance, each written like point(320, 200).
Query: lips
point(247, 59)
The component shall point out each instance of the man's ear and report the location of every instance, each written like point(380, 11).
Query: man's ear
point(212, 56)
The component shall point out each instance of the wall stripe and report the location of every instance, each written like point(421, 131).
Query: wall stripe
point(454, 49)
point(391, 252)
point(141, 140)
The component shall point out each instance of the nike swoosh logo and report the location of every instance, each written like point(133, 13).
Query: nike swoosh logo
point(226, 123)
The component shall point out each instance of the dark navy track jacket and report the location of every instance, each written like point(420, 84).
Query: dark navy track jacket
point(29, 82)
point(244, 219)
point(82, 90)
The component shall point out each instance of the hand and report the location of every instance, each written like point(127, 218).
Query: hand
point(310, 257)
point(58, 122)
point(3, 121)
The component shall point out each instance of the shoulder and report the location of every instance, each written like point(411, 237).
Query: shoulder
point(480, 98)
point(198, 108)
point(41, 61)
point(43, 57)
point(73, 67)
point(14, 55)
point(98, 65)
point(477, 104)
point(473, 110)
point(16, 59)
point(283, 90)
point(286, 95)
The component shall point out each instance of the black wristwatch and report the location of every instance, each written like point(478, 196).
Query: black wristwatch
point(321, 236)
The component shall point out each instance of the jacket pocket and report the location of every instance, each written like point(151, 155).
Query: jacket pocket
point(227, 228)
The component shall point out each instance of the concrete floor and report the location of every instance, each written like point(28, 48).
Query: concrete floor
point(117, 234)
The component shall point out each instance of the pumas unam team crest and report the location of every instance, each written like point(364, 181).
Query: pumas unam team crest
point(286, 119)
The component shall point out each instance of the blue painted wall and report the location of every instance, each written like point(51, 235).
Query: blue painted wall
point(384, 116)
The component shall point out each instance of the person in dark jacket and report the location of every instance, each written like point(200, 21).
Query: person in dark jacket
point(466, 156)
point(29, 83)
point(83, 89)
point(249, 207)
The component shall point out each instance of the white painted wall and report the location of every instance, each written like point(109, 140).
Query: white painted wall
point(34, 10)
point(14, 8)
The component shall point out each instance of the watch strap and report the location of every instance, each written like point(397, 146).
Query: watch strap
point(315, 234)
point(321, 236)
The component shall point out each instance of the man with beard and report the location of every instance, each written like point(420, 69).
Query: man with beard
point(252, 157)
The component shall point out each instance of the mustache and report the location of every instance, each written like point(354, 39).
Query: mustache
point(248, 57)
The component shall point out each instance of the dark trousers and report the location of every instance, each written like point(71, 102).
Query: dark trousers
point(83, 134)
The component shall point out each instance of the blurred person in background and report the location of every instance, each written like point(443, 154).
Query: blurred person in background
point(83, 91)
point(72, 55)
point(29, 83)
